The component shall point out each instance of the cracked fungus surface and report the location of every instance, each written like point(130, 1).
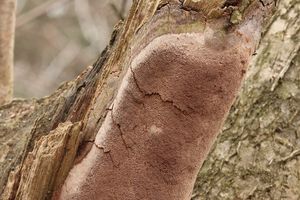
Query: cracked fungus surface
point(168, 110)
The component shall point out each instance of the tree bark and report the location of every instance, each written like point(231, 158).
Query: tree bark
point(257, 154)
point(7, 36)
point(41, 140)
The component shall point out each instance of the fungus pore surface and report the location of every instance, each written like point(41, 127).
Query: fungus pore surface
point(169, 108)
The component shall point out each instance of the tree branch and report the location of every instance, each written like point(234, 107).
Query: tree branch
point(153, 103)
point(7, 33)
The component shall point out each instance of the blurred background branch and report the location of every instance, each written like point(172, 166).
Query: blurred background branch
point(120, 12)
point(57, 39)
point(38, 11)
point(7, 33)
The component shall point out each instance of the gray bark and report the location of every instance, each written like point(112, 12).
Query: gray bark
point(257, 155)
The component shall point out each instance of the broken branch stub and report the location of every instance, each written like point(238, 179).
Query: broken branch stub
point(180, 81)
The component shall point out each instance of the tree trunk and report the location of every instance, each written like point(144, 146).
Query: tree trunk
point(41, 140)
point(257, 156)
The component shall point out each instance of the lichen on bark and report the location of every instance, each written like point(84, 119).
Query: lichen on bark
point(257, 154)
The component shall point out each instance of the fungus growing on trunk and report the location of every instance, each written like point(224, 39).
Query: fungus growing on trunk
point(177, 90)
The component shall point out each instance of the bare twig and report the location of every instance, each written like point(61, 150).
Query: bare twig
point(120, 13)
point(7, 32)
point(37, 12)
point(58, 64)
point(87, 24)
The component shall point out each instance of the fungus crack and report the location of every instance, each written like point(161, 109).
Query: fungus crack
point(151, 94)
point(120, 131)
point(105, 152)
point(166, 101)
point(135, 81)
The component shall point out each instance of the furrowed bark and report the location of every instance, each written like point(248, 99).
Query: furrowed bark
point(7, 30)
point(142, 72)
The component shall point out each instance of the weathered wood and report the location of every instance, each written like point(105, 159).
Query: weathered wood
point(25, 122)
point(47, 165)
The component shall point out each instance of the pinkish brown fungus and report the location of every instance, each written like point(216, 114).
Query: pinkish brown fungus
point(170, 106)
